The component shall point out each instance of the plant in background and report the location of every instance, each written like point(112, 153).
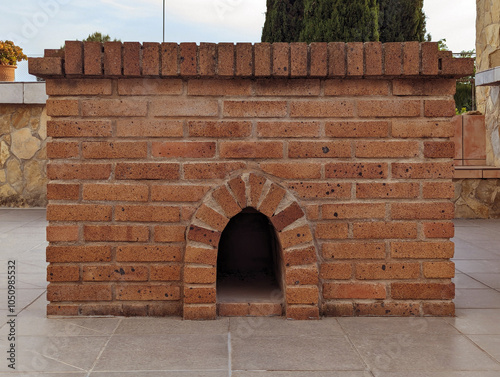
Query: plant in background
point(10, 54)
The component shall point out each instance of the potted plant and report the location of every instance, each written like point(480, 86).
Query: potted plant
point(10, 54)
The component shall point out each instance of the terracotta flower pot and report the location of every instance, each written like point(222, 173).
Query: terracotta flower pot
point(7, 72)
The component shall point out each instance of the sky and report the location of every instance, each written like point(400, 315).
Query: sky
point(39, 24)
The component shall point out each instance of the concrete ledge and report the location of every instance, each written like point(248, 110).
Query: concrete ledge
point(488, 77)
point(22, 93)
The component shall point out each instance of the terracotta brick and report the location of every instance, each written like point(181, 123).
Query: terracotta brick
point(422, 250)
point(183, 149)
point(212, 218)
point(197, 312)
point(381, 230)
point(149, 86)
point(438, 190)
point(423, 211)
point(92, 58)
point(131, 59)
point(170, 272)
point(150, 59)
point(296, 236)
point(199, 275)
point(286, 87)
point(170, 233)
point(115, 273)
point(78, 212)
point(178, 193)
point(438, 270)
point(147, 213)
point(147, 292)
point(422, 291)
point(298, 59)
point(319, 149)
point(233, 309)
point(319, 59)
point(199, 295)
point(300, 256)
point(200, 255)
point(393, 59)
point(187, 213)
point(69, 254)
point(411, 58)
point(429, 58)
point(260, 309)
point(62, 107)
point(439, 229)
point(439, 108)
point(309, 190)
point(61, 149)
point(63, 273)
point(422, 128)
point(45, 66)
point(331, 230)
point(78, 87)
point(297, 170)
point(238, 189)
point(115, 192)
point(188, 59)
point(213, 87)
point(73, 57)
point(114, 107)
point(165, 309)
point(397, 309)
point(312, 211)
point(113, 58)
point(219, 129)
point(357, 129)
point(353, 211)
point(331, 108)
point(439, 309)
point(78, 171)
point(62, 310)
point(356, 170)
point(148, 253)
point(337, 59)
point(184, 107)
point(439, 149)
point(114, 149)
point(302, 295)
point(354, 290)
point(338, 309)
point(100, 309)
point(225, 62)
point(207, 59)
point(63, 233)
point(353, 250)
point(169, 59)
point(147, 170)
point(115, 233)
point(287, 217)
point(263, 63)
point(288, 129)
point(336, 271)
point(424, 87)
point(205, 236)
point(386, 271)
point(355, 59)
point(389, 108)
point(226, 201)
point(244, 59)
point(425, 170)
point(397, 190)
point(272, 200)
point(280, 57)
point(79, 128)
point(387, 149)
point(251, 149)
point(373, 59)
point(63, 191)
point(256, 183)
point(254, 109)
point(79, 292)
point(356, 87)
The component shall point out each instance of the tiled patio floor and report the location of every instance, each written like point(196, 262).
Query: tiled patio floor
point(465, 346)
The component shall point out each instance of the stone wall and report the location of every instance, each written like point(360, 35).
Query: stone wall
point(23, 133)
point(477, 198)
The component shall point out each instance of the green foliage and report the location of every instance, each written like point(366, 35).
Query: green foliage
point(10, 54)
point(98, 37)
point(283, 21)
point(442, 46)
point(401, 20)
point(336, 20)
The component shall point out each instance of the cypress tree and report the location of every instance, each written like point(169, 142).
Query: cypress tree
point(283, 21)
point(401, 20)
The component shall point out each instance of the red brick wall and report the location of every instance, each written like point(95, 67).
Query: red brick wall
point(345, 147)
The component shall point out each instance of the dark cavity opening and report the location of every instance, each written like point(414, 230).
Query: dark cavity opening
point(248, 261)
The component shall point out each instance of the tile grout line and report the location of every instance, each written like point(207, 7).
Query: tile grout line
point(229, 355)
point(346, 335)
point(103, 348)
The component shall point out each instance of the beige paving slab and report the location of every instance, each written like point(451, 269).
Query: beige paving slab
point(476, 321)
point(171, 325)
point(198, 373)
point(301, 374)
point(477, 299)
point(467, 282)
point(491, 280)
point(409, 325)
point(489, 343)
point(481, 373)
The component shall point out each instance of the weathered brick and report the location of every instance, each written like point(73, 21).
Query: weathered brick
point(147, 170)
point(92, 58)
point(46, 66)
point(78, 171)
point(200, 255)
point(212, 218)
point(114, 149)
point(319, 59)
point(439, 229)
point(183, 149)
point(286, 87)
point(219, 129)
point(439, 149)
point(147, 213)
point(373, 59)
point(196, 295)
point(254, 109)
point(424, 170)
point(169, 59)
point(225, 61)
point(63, 309)
point(197, 312)
point(298, 59)
point(164, 309)
point(424, 250)
point(439, 309)
point(319, 149)
point(69, 254)
point(63, 273)
point(388, 108)
point(296, 236)
point(78, 87)
point(227, 202)
point(280, 59)
point(272, 200)
point(357, 129)
point(385, 271)
point(438, 190)
point(115, 233)
point(288, 129)
point(353, 250)
point(299, 256)
point(332, 231)
point(205, 236)
point(199, 275)
point(439, 108)
point(148, 253)
point(170, 233)
point(79, 128)
point(353, 211)
point(73, 57)
point(147, 292)
point(207, 59)
point(336, 271)
point(62, 149)
point(238, 187)
point(356, 170)
point(149, 86)
point(168, 272)
point(397, 190)
point(184, 107)
point(131, 58)
point(393, 58)
point(422, 291)
point(398, 309)
point(262, 52)
point(251, 149)
point(256, 184)
point(386, 149)
point(309, 190)
point(354, 290)
point(423, 211)
point(151, 59)
point(113, 107)
point(355, 59)
point(79, 292)
point(115, 273)
point(217, 87)
point(424, 87)
point(287, 217)
point(422, 128)
point(115, 192)
point(338, 309)
point(337, 59)
point(302, 295)
point(438, 270)
point(62, 107)
point(63, 191)
point(429, 58)
point(298, 170)
point(244, 59)
point(113, 58)
point(411, 58)
point(356, 87)
point(382, 230)
point(331, 108)
point(78, 212)
point(178, 193)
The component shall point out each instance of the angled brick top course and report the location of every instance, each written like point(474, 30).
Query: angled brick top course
point(225, 60)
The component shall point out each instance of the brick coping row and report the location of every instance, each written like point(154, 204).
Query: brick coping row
point(226, 60)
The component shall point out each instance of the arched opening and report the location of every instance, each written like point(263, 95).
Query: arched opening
point(248, 262)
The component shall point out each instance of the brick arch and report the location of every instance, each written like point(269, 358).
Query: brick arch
point(298, 253)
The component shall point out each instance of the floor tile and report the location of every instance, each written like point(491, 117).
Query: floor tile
point(409, 325)
point(491, 280)
point(481, 373)
point(301, 374)
point(198, 373)
point(479, 265)
point(467, 282)
point(160, 326)
point(477, 298)
point(476, 321)
point(489, 343)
